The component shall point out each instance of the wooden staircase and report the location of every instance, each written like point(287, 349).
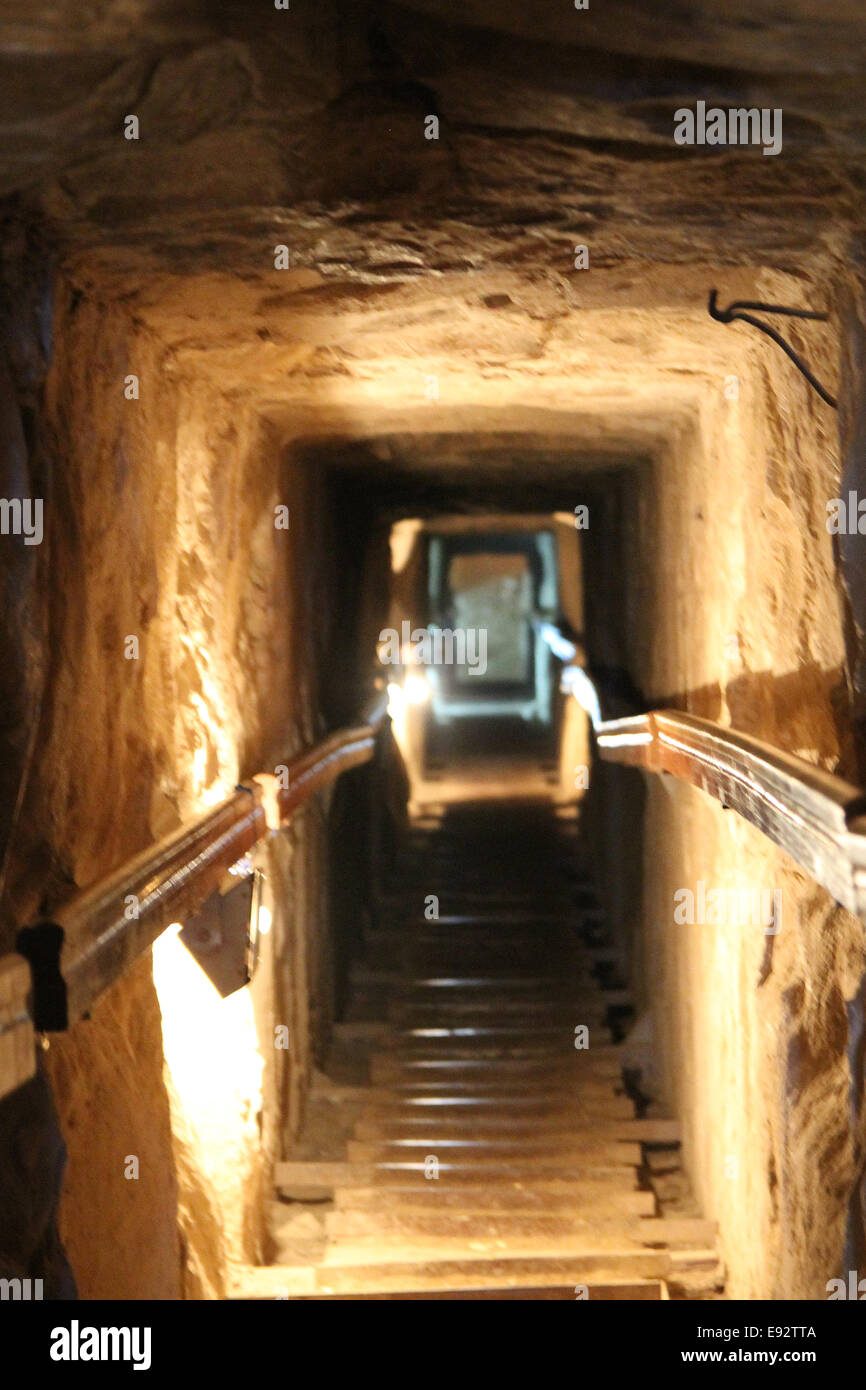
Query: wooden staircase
point(485, 1155)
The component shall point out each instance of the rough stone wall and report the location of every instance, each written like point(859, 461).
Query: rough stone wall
point(738, 614)
point(758, 1039)
point(160, 526)
point(416, 262)
point(209, 596)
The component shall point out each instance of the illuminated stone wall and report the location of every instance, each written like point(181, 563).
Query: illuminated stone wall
point(161, 528)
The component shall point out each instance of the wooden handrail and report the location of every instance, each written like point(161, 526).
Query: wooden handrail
point(346, 749)
point(102, 936)
point(95, 936)
point(817, 818)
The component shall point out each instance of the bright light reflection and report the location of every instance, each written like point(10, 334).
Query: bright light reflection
point(396, 701)
point(416, 689)
point(212, 1055)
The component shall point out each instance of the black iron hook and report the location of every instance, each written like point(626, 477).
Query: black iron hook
point(735, 311)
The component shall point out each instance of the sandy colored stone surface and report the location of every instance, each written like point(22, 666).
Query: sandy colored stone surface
point(418, 265)
point(162, 529)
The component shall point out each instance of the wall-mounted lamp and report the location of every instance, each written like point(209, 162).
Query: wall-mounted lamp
point(223, 936)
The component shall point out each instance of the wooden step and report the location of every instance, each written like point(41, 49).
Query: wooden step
point(548, 1050)
point(480, 897)
point(301, 1180)
point(619, 1250)
point(488, 1157)
point(613, 1195)
point(551, 1135)
point(503, 1114)
point(449, 986)
point(479, 1096)
point(483, 985)
point(646, 1290)
point(431, 958)
point(275, 1282)
point(454, 1088)
point(599, 1128)
point(470, 1151)
point(438, 990)
point(468, 958)
point(410, 1275)
point(451, 1040)
point(520, 921)
point(388, 1068)
point(399, 1224)
point(585, 1008)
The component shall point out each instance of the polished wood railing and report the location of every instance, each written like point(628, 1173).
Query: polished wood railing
point(61, 966)
point(817, 818)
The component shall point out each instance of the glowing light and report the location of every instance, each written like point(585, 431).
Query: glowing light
point(403, 535)
point(577, 682)
point(212, 1060)
point(416, 689)
point(624, 740)
point(213, 795)
point(265, 921)
point(396, 701)
point(242, 868)
point(558, 644)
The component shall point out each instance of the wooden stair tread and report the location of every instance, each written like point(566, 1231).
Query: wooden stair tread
point(601, 1195)
point(275, 1282)
point(465, 1027)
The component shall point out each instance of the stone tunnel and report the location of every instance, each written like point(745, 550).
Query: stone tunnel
point(324, 321)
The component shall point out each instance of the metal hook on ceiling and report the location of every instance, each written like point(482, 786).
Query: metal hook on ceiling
point(736, 309)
